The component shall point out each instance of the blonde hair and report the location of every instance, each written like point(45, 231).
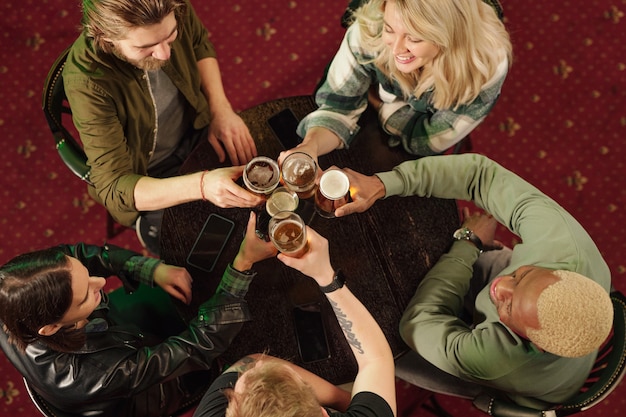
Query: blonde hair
point(273, 389)
point(575, 316)
point(472, 42)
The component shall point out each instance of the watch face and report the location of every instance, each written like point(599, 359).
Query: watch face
point(462, 233)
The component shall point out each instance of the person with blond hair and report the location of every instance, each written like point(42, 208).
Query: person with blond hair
point(145, 88)
point(537, 313)
point(263, 386)
point(432, 69)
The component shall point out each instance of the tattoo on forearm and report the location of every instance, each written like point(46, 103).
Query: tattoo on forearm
point(346, 326)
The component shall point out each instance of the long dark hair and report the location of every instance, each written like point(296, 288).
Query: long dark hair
point(36, 290)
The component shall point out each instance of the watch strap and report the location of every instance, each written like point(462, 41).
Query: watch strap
point(476, 241)
point(338, 282)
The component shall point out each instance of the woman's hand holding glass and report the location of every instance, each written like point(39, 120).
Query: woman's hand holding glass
point(315, 263)
point(317, 142)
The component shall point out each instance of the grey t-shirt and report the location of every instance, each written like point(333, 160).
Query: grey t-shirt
point(171, 121)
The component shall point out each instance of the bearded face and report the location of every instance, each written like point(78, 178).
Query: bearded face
point(148, 63)
point(147, 47)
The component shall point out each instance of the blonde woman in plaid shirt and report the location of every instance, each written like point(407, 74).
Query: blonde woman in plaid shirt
point(433, 69)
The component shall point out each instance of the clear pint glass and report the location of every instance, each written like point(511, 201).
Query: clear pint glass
point(332, 193)
point(288, 233)
point(281, 199)
point(261, 175)
point(299, 171)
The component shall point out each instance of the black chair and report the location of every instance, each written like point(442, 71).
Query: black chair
point(47, 410)
point(43, 406)
point(58, 115)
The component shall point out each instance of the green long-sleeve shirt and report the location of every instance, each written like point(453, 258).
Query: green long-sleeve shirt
point(490, 353)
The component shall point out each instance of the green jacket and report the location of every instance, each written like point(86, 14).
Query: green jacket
point(115, 114)
point(490, 353)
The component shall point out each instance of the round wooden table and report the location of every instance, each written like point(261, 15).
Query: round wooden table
point(384, 252)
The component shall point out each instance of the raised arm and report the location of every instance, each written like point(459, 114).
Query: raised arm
point(366, 339)
point(217, 186)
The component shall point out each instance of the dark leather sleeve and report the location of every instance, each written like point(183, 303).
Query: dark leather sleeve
point(117, 372)
point(104, 261)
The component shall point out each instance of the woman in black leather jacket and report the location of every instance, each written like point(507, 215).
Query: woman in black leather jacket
point(57, 330)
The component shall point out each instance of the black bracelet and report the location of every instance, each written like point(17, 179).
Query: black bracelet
point(246, 272)
point(338, 282)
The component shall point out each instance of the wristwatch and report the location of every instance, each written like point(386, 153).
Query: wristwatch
point(338, 282)
point(466, 234)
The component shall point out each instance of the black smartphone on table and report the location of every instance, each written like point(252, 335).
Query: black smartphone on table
point(262, 225)
point(210, 242)
point(310, 332)
point(284, 124)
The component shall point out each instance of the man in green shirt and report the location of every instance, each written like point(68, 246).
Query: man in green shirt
point(144, 86)
point(542, 309)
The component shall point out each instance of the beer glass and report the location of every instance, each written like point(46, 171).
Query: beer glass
point(299, 171)
point(281, 199)
point(288, 233)
point(332, 193)
point(261, 175)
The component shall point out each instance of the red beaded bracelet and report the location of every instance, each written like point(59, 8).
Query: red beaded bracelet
point(202, 185)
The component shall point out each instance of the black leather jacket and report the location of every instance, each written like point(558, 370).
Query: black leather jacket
point(121, 371)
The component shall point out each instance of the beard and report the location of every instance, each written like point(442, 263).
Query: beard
point(148, 63)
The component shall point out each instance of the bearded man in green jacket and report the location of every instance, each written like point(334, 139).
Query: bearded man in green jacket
point(145, 87)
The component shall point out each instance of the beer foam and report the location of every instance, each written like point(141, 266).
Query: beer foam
point(334, 184)
point(281, 201)
point(261, 174)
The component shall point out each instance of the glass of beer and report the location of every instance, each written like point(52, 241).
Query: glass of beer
point(288, 233)
point(299, 171)
point(261, 175)
point(281, 199)
point(332, 193)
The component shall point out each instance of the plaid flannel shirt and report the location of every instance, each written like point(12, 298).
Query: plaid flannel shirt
point(414, 123)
